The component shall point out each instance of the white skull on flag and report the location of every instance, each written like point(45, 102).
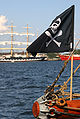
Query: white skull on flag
point(54, 28)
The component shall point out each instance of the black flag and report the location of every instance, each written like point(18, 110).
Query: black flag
point(59, 37)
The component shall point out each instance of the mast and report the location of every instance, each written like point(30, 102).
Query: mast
point(11, 38)
point(71, 77)
point(27, 39)
point(11, 33)
point(37, 38)
point(37, 34)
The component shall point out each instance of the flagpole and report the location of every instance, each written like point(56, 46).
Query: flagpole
point(71, 77)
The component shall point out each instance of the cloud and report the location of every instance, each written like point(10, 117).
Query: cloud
point(3, 21)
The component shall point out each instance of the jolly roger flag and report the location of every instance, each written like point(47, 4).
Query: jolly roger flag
point(59, 37)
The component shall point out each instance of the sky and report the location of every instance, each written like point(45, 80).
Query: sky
point(38, 14)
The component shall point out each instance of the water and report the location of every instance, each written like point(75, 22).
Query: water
point(22, 83)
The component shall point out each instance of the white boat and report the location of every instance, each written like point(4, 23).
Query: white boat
point(22, 59)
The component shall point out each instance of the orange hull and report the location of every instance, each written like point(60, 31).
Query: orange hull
point(65, 57)
point(75, 104)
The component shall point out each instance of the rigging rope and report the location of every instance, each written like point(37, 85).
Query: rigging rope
point(48, 90)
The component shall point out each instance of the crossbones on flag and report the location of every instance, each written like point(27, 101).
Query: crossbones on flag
point(59, 37)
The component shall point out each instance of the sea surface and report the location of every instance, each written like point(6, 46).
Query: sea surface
point(22, 83)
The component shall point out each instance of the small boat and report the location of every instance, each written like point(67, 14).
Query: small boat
point(56, 102)
point(65, 57)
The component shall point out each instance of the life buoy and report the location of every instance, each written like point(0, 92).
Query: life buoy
point(61, 102)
